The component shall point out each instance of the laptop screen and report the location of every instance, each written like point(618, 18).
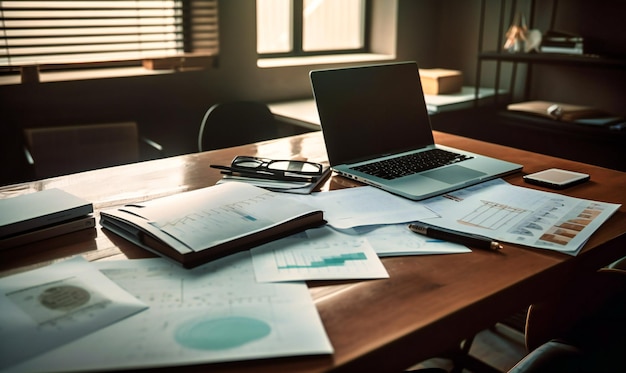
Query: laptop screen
point(369, 111)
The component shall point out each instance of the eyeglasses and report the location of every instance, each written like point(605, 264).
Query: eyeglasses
point(273, 169)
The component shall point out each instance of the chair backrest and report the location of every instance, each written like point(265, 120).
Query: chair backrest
point(236, 123)
point(68, 149)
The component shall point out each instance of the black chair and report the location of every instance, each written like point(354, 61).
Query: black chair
point(236, 123)
point(581, 330)
point(54, 151)
point(553, 356)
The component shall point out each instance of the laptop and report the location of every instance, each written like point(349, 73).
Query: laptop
point(377, 130)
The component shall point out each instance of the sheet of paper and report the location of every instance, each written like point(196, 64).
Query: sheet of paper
point(317, 254)
point(397, 239)
point(47, 307)
point(213, 313)
point(265, 183)
point(521, 215)
point(352, 207)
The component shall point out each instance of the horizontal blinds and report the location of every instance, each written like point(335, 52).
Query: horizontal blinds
point(68, 32)
point(203, 27)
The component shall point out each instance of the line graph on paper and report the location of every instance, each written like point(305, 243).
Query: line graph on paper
point(491, 215)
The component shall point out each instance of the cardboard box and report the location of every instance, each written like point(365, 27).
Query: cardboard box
point(441, 81)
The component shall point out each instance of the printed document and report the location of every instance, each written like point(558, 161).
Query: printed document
point(317, 254)
point(366, 205)
point(216, 312)
point(47, 307)
point(519, 215)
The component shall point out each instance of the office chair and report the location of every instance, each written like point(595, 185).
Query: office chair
point(54, 151)
point(583, 329)
point(236, 123)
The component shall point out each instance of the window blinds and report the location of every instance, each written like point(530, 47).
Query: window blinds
point(69, 32)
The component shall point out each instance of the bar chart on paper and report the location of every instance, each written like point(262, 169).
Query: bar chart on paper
point(519, 215)
point(302, 257)
point(350, 261)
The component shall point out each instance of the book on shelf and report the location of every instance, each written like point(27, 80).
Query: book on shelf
point(554, 36)
point(43, 214)
point(561, 42)
point(196, 227)
point(577, 50)
point(580, 114)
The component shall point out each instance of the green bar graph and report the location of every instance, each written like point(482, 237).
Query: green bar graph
point(331, 261)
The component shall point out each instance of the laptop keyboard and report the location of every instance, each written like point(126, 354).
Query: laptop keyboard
point(410, 164)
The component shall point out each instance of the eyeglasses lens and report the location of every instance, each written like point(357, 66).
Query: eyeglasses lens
point(293, 166)
point(248, 162)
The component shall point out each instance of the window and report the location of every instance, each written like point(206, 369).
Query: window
point(86, 32)
point(310, 27)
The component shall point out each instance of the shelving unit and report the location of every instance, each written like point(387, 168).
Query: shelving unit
point(546, 59)
point(597, 145)
point(533, 58)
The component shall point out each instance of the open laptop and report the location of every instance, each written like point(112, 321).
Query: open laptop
point(373, 116)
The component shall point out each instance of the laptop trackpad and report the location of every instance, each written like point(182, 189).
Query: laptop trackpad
point(453, 174)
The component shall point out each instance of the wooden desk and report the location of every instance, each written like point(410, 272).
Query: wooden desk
point(428, 303)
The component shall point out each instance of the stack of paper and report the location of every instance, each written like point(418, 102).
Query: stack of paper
point(296, 187)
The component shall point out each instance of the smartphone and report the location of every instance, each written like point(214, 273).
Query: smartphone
point(556, 178)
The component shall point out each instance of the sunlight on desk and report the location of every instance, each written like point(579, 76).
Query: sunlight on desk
point(307, 148)
point(102, 187)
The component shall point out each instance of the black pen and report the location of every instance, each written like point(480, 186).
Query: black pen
point(472, 240)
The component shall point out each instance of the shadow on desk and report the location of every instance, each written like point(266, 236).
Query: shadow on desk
point(44, 252)
point(126, 248)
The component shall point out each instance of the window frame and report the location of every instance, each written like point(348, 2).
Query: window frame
point(297, 31)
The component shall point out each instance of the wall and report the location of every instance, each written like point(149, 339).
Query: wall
point(169, 108)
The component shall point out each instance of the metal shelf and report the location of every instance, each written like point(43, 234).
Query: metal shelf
point(555, 59)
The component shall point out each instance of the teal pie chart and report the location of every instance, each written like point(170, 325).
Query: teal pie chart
point(221, 333)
